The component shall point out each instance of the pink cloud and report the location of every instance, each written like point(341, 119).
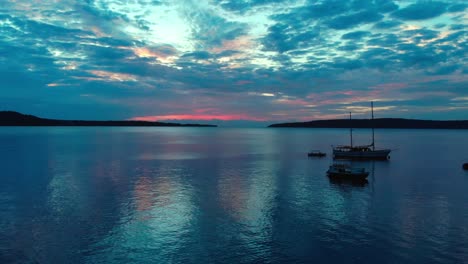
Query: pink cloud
point(240, 43)
point(112, 76)
point(243, 82)
point(164, 54)
point(295, 102)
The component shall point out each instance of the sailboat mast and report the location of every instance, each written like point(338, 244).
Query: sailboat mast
point(350, 130)
point(372, 111)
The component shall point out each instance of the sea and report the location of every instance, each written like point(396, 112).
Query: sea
point(229, 195)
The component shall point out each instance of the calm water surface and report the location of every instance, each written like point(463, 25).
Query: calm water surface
point(218, 195)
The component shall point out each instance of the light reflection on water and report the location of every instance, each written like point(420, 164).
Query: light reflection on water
point(200, 195)
point(155, 220)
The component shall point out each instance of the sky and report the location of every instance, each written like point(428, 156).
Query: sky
point(236, 62)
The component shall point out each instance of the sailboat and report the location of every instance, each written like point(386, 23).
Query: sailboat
point(362, 151)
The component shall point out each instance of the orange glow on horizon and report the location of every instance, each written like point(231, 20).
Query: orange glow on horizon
point(205, 117)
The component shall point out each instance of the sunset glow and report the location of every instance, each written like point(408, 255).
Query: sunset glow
point(257, 61)
point(199, 117)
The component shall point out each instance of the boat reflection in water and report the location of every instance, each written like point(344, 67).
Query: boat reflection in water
point(348, 182)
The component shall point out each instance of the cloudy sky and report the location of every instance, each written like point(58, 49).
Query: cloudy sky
point(263, 61)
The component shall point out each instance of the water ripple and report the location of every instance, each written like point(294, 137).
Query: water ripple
point(225, 196)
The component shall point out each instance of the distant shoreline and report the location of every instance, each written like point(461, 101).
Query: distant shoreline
point(11, 118)
point(391, 123)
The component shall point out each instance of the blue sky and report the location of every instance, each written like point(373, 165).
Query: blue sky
point(239, 61)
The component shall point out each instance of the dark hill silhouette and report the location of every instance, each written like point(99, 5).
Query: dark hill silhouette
point(11, 118)
point(379, 123)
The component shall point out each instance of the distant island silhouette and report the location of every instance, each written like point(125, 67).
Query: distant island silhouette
point(12, 118)
point(378, 123)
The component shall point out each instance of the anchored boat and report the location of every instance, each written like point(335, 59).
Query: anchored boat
point(363, 151)
point(316, 153)
point(345, 171)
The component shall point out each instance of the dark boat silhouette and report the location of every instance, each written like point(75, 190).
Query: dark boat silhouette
point(363, 151)
point(316, 153)
point(345, 171)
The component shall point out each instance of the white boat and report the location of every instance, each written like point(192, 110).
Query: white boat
point(347, 172)
point(363, 151)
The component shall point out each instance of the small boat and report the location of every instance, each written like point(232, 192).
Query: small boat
point(316, 153)
point(465, 166)
point(346, 171)
point(361, 152)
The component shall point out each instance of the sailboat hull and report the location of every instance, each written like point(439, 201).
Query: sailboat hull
point(381, 154)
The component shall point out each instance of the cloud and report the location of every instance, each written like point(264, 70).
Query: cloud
point(387, 24)
point(198, 55)
point(457, 27)
point(457, 8)
point(350, 47)
point(243, 6)
point(208, 28)
point(327, 9)
point(283, 38)
point(356, 35)
point(355, 19)
point(421, 10)
point(449, 69)
point(161, 58)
